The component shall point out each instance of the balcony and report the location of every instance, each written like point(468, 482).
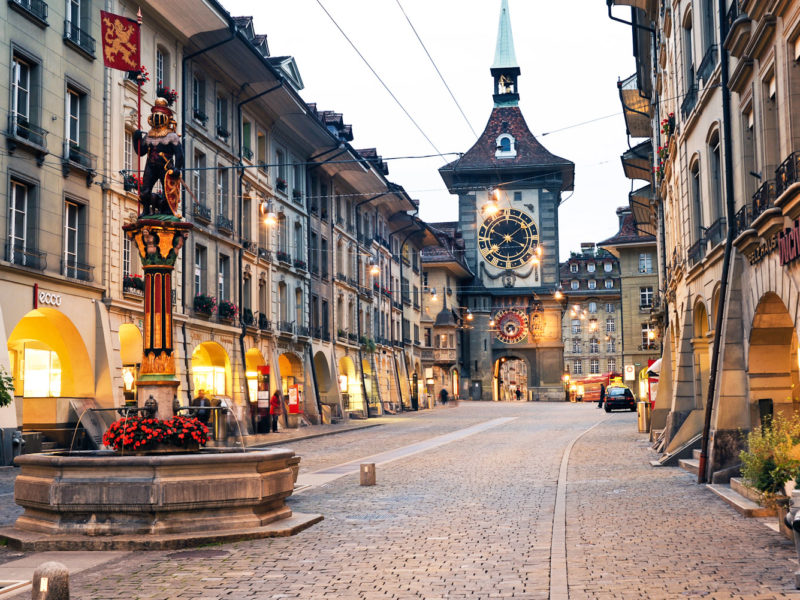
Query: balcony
point(224, 224)
point(283, 257)
point(717, 231)
point(201, 212)
point(764, 198)
point(223, 133)
point(648, 346)
point(737, 30)
point(689, 102)
point(787, 186)
point(300, 265)
point(264, 323)
point(247, 154)
point(303, 331)
point(249, 246)
point(264, 254)
point(708, 64)
point(248, 318)
point(352, 337)
point(35, 10)
point(286, 327)
point(444, 356)
point(645, 308)
point(696, 252)
point(326, 335)
point(21, 132)
point(76, 270)
point(75, 157)
point(26, 256)
point(79, 39)
point(341, 277)
point(199, 116)
point(316, 333)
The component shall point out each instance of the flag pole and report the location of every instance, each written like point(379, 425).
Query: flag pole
point(139, 83)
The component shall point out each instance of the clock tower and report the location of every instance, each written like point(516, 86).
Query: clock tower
point(509, 188)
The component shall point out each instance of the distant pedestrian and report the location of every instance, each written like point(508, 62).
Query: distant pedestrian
point(602, 396)
point(518, 394)
point(275, 410)
point(443, 397)
point(200, 403)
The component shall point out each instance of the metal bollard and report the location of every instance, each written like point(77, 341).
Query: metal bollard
point(368, 474)
point(50, 582)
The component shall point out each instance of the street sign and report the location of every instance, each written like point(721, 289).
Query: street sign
point(630, 372)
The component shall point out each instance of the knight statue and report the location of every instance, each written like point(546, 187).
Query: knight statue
point(162, 146)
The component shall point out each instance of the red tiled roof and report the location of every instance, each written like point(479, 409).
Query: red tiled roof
point(628, 233)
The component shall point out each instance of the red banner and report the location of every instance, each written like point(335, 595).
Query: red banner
point(120, 42)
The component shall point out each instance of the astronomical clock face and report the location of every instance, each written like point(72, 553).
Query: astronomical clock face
point(508, 239)
point(512, 326)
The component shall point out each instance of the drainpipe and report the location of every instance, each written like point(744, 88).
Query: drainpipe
point(726, 261)
point(358, 297)
point(240, 219)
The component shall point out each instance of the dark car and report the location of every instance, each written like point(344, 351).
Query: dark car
point(619, 397)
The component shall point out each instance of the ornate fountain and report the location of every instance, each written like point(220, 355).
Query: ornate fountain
point(105, 500)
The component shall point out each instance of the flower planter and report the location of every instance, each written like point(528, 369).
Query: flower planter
point(160, 449)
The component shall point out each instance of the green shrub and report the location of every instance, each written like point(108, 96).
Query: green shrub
point(773, 454)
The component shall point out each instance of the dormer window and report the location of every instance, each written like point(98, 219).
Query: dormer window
point(506, 146)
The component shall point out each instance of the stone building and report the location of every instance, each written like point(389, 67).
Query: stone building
point(509, 189)
point(719, 97)
point(592, 323)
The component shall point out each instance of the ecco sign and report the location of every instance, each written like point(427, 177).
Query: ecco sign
point(42, 297)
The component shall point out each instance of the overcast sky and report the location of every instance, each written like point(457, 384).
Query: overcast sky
point(570, 53)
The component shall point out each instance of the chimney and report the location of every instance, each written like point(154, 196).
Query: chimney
point(587, 248)
point(622, 212)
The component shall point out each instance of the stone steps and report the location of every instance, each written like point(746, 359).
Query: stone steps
point(692, 465)
point(740, 503)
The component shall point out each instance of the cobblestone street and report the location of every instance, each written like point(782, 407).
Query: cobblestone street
point(474, 518)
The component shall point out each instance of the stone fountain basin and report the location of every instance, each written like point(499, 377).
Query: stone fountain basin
point(101, 500)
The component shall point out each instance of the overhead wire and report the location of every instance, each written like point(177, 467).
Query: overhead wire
point(378, 77)
point(438, 72)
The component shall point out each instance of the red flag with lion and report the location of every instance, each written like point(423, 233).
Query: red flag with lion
point(120, 42)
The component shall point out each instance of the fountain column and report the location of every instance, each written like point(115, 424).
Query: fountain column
point(159, 239)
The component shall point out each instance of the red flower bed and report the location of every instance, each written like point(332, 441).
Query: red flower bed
point(138, 433)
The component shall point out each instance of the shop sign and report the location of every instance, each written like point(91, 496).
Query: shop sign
point(761, 252)
point(789, 243)
point(44, 297)
point(630, 372)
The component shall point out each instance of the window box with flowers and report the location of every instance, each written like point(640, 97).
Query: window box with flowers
point(248, 318)
point(144, 435)
point(200, 116)
point(204, 305)
point(227, 310)
point(283, 257)
point(280, 183)
point(131, 182)
point(300, 264)
point(169, 94)
point(133, 285)
point(297, 195)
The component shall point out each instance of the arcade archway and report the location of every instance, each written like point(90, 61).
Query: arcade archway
point(130, 352)
point(325, 387)
point(772, 360)
point(510, 375)
point(350, 386)
point(292, 381)
point(211, 369)
point(253, 359)
point(700, 352)
point(49, 362)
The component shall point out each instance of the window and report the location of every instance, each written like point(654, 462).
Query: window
point(749, 152)
point(261, 151)
point(299, 177)
point(73, 117)
point(74, 12)
point(573, 267)
point(199, 98)
point(127, 152)
point(594, 366)
point(576, 345)
point(645, 297)
point(611, 325)
point(21, 225)
point(427, 337)
point(590, 267)
point(21, 90)
point(592, 284)
point(610, 307)
point(688, 60)
point(199, 270)
point(647, 331)
point(607, 266)
point(577, 367)
point(594, 347)
point(313, 257)
point(223, 277)
point(612, 365)
point(324, 257)
point(506, 146)
point(592, 307)
point(222, 191)
point(162, 67)
point(611, 345)
point(609, 284)
point(645, 262)
point(247, 147)
point(299, 246)
point(247, 290)
point(425, 280)
point(574, 284)
point(280, 161)
point(199, 177)
point(576, 325)
point(697, 212)
point(298, 307)
point(517, 196)
point(73, 240)
point(221, 117)
point(715, 176)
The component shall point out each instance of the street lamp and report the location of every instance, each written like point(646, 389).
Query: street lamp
point(374, 269)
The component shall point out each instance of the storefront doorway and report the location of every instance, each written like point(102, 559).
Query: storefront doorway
point(130, 351)
point(211, 370)
point(510, 376)
point(350, 386)
point(292, 380)
point(700, 352)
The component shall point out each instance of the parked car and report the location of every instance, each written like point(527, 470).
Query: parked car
point(619, 396)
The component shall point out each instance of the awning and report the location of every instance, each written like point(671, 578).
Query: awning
point(644, 213)
point(655, 368)
point(648, 6)
point(636, 107)
point(636, 162)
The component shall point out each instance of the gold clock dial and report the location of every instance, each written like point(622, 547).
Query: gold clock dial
point(508, 239)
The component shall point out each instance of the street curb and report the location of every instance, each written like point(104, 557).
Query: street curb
point(312, 436)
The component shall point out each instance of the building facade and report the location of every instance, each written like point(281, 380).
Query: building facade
point(592, 325)
point(509, 189)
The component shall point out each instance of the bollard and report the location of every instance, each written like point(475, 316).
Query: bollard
point(50, 582)
point(368, 474)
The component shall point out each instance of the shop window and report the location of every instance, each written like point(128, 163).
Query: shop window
point(41, 372)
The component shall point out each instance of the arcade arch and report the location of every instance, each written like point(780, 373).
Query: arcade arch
point(510, 374)
point(211, 369)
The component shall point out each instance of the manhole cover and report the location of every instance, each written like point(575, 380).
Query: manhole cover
point(198, 554)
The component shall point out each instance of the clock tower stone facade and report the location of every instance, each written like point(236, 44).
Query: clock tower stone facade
point(509, 188)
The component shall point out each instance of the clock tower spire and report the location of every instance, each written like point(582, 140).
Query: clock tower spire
point(505, 69)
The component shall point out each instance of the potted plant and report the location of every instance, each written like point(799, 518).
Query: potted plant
point(169, 94)
point(6, 387)
point(204, 304)
point(131, 182)
point(341, 333)
point(247, 317)
point(227, 310)
point(149, 435)
point(283, 256)
point(300, 264)
point(280, 183)
point(133, 281)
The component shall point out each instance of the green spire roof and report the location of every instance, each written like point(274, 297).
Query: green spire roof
point(504, 56)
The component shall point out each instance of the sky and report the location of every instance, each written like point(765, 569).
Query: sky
point(570, 53)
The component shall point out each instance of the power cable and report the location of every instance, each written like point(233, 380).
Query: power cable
point(378, 77)
point(438, 72)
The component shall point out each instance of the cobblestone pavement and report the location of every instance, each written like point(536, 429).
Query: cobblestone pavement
point(473, 519)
